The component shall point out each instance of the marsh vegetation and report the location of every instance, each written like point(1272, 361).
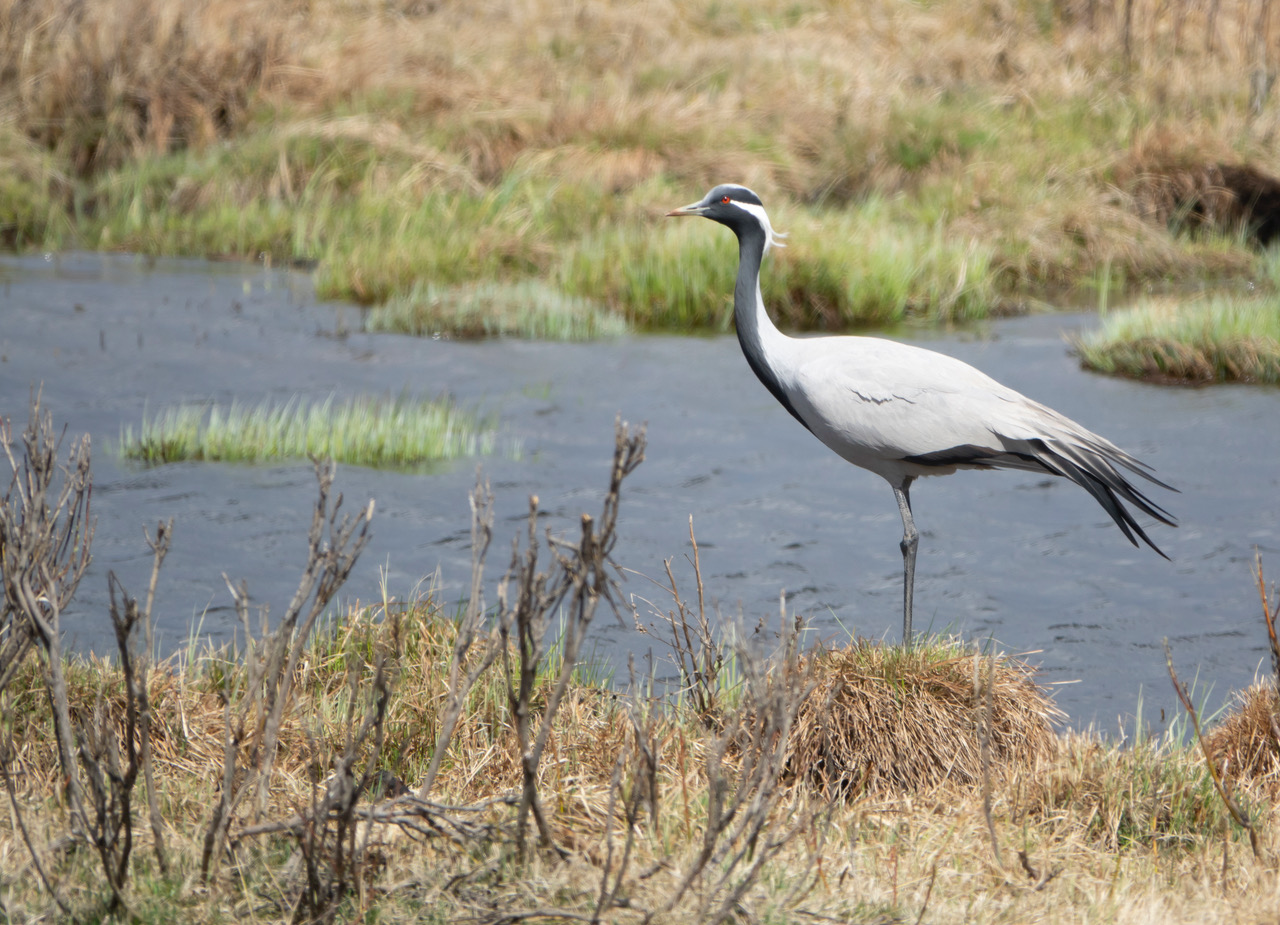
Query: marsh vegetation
point(477, 169)
point(936, 161)
point(420, 761)
point(402, 432)
point(1223, 338)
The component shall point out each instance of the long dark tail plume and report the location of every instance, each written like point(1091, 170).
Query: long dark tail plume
point(1096, 473)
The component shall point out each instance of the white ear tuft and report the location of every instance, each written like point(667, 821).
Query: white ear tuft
point(771, 237)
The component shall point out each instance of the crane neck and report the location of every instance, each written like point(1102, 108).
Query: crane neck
point(749, 315)
point(762, 343)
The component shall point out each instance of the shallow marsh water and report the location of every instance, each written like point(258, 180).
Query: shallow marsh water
point(1032, 562)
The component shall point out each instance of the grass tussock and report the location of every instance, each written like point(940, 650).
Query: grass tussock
point(1245, 743)
point(528, 309)
point(883, 719)
point(1219, 339)
point(934, 161)
point(400, 432)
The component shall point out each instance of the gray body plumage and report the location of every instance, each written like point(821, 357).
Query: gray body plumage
point(904, 412)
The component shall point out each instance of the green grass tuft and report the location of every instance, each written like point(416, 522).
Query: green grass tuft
point(529, 309)
point(403, 432)
point(1220, 339)
point(32, 213)
point(840, 269)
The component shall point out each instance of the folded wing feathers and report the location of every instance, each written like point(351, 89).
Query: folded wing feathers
point(1091, 464)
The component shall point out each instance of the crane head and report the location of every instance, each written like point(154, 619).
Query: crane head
point(734, 206)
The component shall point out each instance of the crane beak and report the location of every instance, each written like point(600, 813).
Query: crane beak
point(693, 208)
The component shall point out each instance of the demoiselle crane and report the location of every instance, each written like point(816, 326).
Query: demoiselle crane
point(905, 412)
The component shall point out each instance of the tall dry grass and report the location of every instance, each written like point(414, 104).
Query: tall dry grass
point(408, 142)
point(100, 83)
point(1084, 830)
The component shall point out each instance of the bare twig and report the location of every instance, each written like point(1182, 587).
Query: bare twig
point(460, 683)
point(159, 549)
point(1039, 880)
point(1269, 617)
point(741, 832)
point(421, 817)
point(698, 655)
point(581, 578)
point(928, 893)
point(328, 837)
point(988, 707)
point(1237, 814)
point(271, 660)
point(640, 761)
point(135, 666)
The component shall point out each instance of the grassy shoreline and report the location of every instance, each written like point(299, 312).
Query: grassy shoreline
point(1218, 339)
point(1090, 830)
point(406, 762)
point(932, 162)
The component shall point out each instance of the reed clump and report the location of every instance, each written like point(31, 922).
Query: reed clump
point(883, 719)
point(1246, 744)
point(1224, 338)
point(387, 432)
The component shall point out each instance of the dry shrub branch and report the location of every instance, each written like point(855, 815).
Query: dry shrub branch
point(580, 578)
point(745, 770)
point(1220, 783)
point(463, 677)
point(698, 653)
point(1247, 743)
point(255, 712)
point(333, 845)
point(45, 539)
point(46, 536)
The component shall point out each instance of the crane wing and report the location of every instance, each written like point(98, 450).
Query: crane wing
point(903, 411)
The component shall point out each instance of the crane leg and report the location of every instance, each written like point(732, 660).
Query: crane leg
point(910, 540)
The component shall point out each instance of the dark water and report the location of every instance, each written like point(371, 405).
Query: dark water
point(1033, 562)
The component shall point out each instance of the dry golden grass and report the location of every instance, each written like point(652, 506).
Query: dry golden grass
point(1016, 126)
point(1083, 829)
point(886, 720)
point(1245, 744)
point(102, 82)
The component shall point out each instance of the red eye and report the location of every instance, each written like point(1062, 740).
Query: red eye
point(724, 199)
